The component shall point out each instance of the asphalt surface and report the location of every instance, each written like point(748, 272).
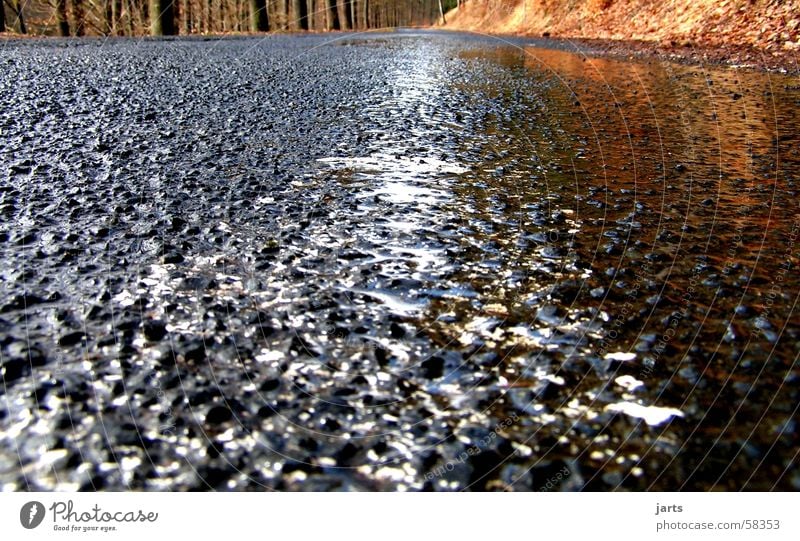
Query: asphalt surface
point(402, 261)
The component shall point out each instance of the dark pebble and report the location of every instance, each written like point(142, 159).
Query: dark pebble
point(172, 258)
point(396, 331)
point(155, 330)
point(20, 302)
point(15, 369)
point(270, 385)
point(71, 339)
point(265, 411)
point(433, 368)
point(218, 415)
point(195, 353)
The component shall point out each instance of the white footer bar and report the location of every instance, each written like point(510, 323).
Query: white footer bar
point(371, 516)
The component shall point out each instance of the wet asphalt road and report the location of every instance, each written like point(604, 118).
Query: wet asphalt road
point(400, 261)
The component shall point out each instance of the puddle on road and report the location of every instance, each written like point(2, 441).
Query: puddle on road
point(622, 223)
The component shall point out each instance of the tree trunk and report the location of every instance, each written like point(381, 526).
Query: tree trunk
point(441, 12)
point(20, 18)
point(332, 16)
point(108, 17)
point(353, 15)
point(119, 29)
point(219, 16)
point(145, 16)
point(177, 14)
point(161, 18)
point(299, 15)
point(78, 17)
point(129, 20)
point(258, 16)
point(2, 17)
point(186, 17)
point(206, 16)
point(311, 13)
point(283, 9)
point(61, 18)
point(213, 15)
point(344, 16)
point(22, 28)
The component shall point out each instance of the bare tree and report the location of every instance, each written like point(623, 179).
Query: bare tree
point(61, 18)
point(258, 16)
point(17, 9)
point(283, 14)
point(344, 15)
point(364, 14)
point(78, 17)
point(177, 9)
point(162, 22)
point(2, 17)
point(299, 15)
point(22, 28)
point(186, 17)
point(332, 16)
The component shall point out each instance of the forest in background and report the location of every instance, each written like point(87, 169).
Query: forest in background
point(186, 17)
point(766, 25)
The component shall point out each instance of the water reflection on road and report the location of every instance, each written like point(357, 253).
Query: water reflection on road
point(622, 229)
